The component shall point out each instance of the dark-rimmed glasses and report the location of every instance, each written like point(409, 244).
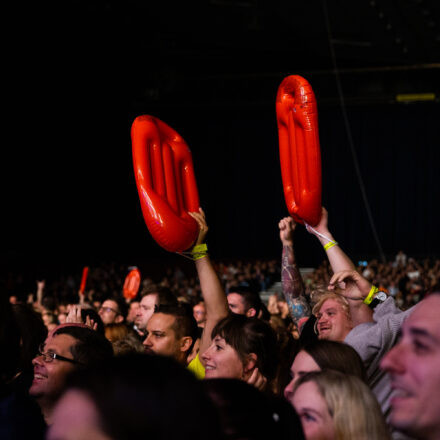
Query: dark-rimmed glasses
point(49, 356)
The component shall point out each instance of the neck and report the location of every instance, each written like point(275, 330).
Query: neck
point(46, 407)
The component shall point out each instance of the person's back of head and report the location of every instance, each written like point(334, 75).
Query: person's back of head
point(139, 396)
point(247, 413)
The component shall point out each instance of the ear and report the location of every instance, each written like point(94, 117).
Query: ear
point(250, 363)
point(251, 312)
point(119, 319)
point(185, 343)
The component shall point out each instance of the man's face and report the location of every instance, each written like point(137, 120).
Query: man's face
point(332, 322)
point(109, 312)
point(132, 311)
point(199, 312)
point(236, 304)
point(49, 377)
point(145, 311)
point(161, 338)
point(414, 367)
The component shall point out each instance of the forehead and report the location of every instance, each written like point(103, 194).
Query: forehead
point(308, 395)
point(149, 300)
point(60, 344)
point(426, 316)
point(330, 304)
point(161, 322)
point(234, 298)
point(110, 303)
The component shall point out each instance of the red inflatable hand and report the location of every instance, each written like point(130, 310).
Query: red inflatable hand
point(166, 183)
point(131, 284)
point(300, 153)
point(82, 286)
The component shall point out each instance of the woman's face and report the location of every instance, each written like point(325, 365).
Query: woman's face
point(303, 363)
point(221, 360)
point(315, 418)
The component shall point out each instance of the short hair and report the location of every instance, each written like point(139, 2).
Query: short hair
point(336, 356)
point(138, 394)
point(332, 295)
point(185, 323)
point(250, 335)
point(122, 305)
point(92, 347)
point(130, 344)
point(164, 294)
point(116, 331)
point(251, 300)
point(351, 404)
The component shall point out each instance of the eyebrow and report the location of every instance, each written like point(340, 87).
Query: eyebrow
point(415, 331)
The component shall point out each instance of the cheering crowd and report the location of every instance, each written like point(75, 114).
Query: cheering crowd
point(346, 352)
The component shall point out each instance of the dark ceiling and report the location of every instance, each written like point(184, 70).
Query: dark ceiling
point(380, 48)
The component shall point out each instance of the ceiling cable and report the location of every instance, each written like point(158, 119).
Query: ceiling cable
point(349, 134)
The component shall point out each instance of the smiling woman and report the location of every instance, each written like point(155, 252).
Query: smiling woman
point(241, 348)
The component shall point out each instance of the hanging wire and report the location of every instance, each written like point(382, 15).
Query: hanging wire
point(349, 134)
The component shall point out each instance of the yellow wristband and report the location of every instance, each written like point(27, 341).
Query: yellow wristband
point(370, 296)
point(329, 245)
point(199, 251)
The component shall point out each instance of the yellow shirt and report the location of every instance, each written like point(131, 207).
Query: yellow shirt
point(197, 367)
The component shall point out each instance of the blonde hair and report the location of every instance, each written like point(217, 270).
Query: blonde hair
point(331, 295)
point(355, 412)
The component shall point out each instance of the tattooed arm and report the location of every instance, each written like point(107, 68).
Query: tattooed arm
point(293, 286)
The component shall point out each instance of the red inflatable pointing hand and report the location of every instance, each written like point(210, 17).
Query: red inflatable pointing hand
point(300, 154)
point(131, 284)
point(166, 183)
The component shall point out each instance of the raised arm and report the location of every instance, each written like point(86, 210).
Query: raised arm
point(293, 286)
point(212, 291)
point(340, 262)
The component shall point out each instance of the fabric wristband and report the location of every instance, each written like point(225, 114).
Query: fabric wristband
point(329, 245)
point(370, 296)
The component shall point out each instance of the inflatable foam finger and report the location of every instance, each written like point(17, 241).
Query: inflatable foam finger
point(82, 287)
point(166, 183)
point(300, 153)
point(131, 284)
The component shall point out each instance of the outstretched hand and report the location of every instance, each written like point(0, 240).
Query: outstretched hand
point(287, 225)
point(199, 217)
point(74, 315)
point(352, 285)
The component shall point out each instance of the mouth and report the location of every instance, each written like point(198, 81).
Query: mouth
point(399, 395)
point(324, 328)
point(38, 377)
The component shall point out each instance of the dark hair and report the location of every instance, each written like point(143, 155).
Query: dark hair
point(122, 305)
point(336, 356)
point(164, 294)
point(185, 323)
point(250, 335)
point(251, 300)
point(32, 330)
point(139, 395)
point(91, 348)
point(247, 413)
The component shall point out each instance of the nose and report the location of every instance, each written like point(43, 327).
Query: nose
point(37, 360)
point(288, 391)
point(206, 354)
point(393, 361)
point(147, 342)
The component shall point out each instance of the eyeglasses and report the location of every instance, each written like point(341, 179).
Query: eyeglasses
point(49, 356)
point(108, 309)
